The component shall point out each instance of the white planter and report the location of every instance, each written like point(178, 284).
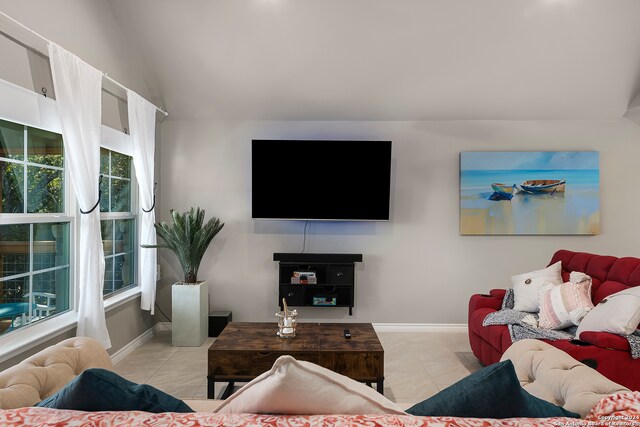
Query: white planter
point(189, 314)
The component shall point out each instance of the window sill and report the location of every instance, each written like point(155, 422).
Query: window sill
point(121, 298)
point(28, 337)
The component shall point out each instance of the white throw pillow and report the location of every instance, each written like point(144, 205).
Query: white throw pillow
point(302, 388)
point(527, 286)
point(618, 313)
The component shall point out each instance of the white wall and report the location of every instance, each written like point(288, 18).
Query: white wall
point(417, 268)
point(86, 28)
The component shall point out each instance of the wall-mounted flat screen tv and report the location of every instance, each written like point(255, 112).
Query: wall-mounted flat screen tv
point(320, 180)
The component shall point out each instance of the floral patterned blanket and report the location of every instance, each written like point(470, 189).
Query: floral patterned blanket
point(622, 409)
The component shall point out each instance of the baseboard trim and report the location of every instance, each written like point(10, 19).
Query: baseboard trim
point(137, 342)
point(420, 327)
point(161, 326)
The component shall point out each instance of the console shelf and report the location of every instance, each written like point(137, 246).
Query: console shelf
point(335, 275)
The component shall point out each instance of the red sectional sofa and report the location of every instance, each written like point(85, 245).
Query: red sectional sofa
point(608, 353)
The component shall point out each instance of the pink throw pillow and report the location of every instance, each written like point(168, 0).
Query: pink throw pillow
point(564, 305)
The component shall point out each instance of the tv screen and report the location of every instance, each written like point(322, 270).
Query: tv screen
point(323, 180)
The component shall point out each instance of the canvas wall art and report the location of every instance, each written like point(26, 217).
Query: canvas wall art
point(528, 193)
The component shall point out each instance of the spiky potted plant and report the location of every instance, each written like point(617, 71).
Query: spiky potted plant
point(188, 237)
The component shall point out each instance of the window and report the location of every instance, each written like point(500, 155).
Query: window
point(118, 223)
point(32, 170)
point(34, 231)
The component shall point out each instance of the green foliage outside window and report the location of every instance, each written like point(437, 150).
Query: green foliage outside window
point(44, 186)
point(116, 181)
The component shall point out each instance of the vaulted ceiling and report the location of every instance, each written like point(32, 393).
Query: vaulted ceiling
point(387, 59)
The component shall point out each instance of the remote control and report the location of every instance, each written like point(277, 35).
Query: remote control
point(347, 334)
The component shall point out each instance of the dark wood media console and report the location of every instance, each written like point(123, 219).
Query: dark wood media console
point(334, 287)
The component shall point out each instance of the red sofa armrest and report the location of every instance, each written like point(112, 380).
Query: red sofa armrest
point(498, 293)
point(493, 300)
point(606, 340)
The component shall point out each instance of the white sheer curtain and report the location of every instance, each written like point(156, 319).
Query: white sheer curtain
point(142, 128)
point(78, 89)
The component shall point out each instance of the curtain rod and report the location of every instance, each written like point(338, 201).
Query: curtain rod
point(31, 39)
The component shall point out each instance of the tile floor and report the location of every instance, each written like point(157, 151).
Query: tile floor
point(417, 365)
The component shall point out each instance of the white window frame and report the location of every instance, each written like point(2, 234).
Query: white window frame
point(21, 105)
point(114, 216)
point(31, 272)
point(38, 332)
point(44, 218)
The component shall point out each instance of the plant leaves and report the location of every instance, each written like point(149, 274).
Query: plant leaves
point(188, 238)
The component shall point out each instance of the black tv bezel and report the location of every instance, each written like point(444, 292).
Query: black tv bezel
point(387, 219)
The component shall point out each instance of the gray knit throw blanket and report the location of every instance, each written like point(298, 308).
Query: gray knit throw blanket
point(520, 330)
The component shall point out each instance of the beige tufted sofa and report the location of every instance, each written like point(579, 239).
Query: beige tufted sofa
point(543, 370)
point(44, 373)
point(551, 374)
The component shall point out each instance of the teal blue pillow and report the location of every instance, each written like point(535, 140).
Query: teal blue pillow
point(102, 390)
point(492, 392)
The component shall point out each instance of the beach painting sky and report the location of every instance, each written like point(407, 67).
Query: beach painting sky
point(529, 192)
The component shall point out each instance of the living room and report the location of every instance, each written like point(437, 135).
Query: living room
point(436, 78)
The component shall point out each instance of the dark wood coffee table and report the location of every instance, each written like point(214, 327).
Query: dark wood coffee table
point(245, 350)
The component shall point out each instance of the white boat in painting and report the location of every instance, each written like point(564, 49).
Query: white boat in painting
point(544, 186)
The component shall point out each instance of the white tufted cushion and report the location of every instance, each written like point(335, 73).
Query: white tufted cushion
point(44, 373)
point(551, 374)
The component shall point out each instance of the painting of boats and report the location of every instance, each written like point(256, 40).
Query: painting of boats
point(529, 192)
point(544, 186)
